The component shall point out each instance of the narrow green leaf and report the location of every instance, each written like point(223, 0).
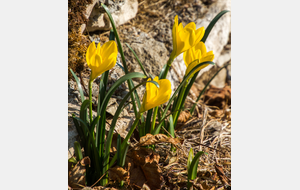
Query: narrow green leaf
point(141, 128)
point(119, 151)
point(203, 90)
point(79, 86)
point(171, 126)
point(212, 24)
point(190, 158)
point(80, 131)
point(92, 126)
point(73, 160)
point(162, 71)
point(77, 149)
point(112, 35)
point(192, 172)
point(83, 109)
point(138, 60)
point(124, 153)
point(148, 121)
point(120, 66)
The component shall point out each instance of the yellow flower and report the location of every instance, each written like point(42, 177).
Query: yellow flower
point(101, 59)
point(197, 52)
point(185, 38)
point(156, 96)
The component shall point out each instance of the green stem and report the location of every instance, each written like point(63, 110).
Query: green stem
point(124, 143)
point(178, 103)
point(189, 184)
point(170, 61)
point(91, 101)
point(154, 119)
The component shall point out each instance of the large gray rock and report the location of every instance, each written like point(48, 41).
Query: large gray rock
point(152, 54)
point(121, 10)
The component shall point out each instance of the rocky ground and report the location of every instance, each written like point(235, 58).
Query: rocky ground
point(148, 32)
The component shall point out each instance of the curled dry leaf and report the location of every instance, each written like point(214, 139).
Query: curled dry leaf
point(183, 117)
point(149, 139)
point(76, 175)
point(117, 173)
point(144, 169)
point(218, 96)
point(224, 179)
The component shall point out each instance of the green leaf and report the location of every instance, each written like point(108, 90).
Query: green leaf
point(178, 89)
point(79, 86)
point(123, 155)
point(73, 160)
point(77, 149)
point(162, 71)
point(119, 151)
point(192, 172)
point(148, 121)
point(83, 109)
point(92, 126)
point(190, 158)
point(80, 131)
point(212, 24)
point(203, 90)
point(171, 126)
point(112, 35)
point(138, 60)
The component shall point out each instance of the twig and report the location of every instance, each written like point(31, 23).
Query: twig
point(82, 83)
point(99, 179)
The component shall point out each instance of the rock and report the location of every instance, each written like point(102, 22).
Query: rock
point(152, 54)
point(121, 10)
point(88, 12)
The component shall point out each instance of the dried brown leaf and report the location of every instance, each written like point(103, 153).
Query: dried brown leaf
point(144, 169)
point(117, 173)
point(221, 174)
point(149, 139)
point(183, 117)
point(76, 175)
point(219, 97)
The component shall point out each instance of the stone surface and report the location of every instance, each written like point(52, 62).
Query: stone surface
point(121, 11)
point(152, 54)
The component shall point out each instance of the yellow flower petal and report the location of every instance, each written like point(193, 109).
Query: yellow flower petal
point(101, 59)
point(194, 53)
point(199, 34)
point(184, 37)
point(90, 53)
point(156, 96)
point(191, 25)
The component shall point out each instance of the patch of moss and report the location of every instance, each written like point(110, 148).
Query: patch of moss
point(77, 43)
